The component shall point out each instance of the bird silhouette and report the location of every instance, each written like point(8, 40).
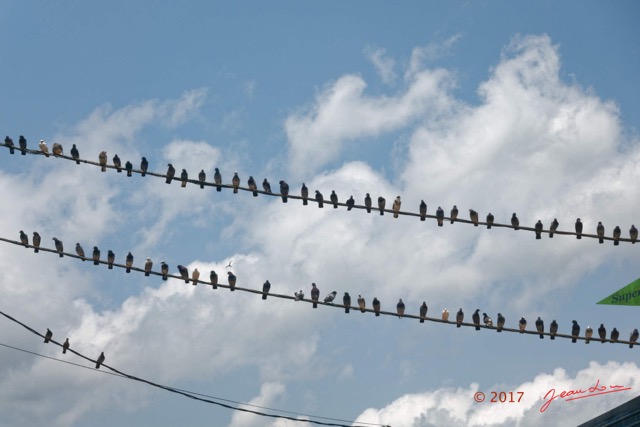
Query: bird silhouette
point(9, 143)
point(266, 186)
point(329, 298)
point(128, 262)
point(319, 198)
point(184, 272)
point(48, 336)
point(253, 186)
point(59, 246)
point(381, 203)
point(361, 303)
point(614, 335)
point(602, 333)
point(80, 251)
point(217, 179)
point(170, 173)
point(459, 318)
point(129, 167)
point(376, 306)
point(304, 192)
point(522, 324)
point(23, 146)
point(515, 222)
point(423, 311)
point(633, 338)
point(633, 234)
point(147, 266)
point(554, 227)
point(553, 329)
point(367, 202)
point(235, 181)
point(36, 241)
point(501, 321)
point(423, 210)
point(284, 190)
point(213, 278)
point(231, 278)
point(488, 322)
point(445, 315)
point(102, 159)
point(96, 255)
point(164, 269)
point(600, 232)
point(578, 229)
point(473, 215)
point(144, 165)
point(346, 301)
point(490, 220)
point(265, 289)
point(540, 327)
point(476, 318)
point(117, 163)
point(184, 176)
point(400, 308)
point(24, 239)
point(454, 214)
point(616, 236)
point(315, 295)
point(111, 258)
point(43, 147)
point(538, 229)
point(65, 346)
point(575, 331)
point(100, 360)
point(202, 177)
point(588, 333)
point(440, 216)
point(350, 203)
point(75, 154)
point(334, 199)
point(396, 206)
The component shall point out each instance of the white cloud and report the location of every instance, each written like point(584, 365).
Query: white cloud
point(268, 393)
point(385, 66)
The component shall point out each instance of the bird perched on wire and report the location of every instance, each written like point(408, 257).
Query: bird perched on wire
point(128, 262)
point(522, 324)
point(164, 269)
point(350, 203)
point(396, 206)
point(36, 241)
point(367, 202)
point(304, 192)
point(633, 234)
point(633, 338)
point(117, 163)
point(515, 222)
point(111, 258)
point(578, 229)
point(251, 183)
point(361, 303)
point(284, 190)
point(501, 321)
point(184, 272)
point(213, 278)
point(266, 186)
point(346, 302)
point(381, 204)
point(315, 295)
point(9, 143)
point(48, 336)
point(217, 179)
point(59, 246)
point(195, 275)
point(445, 315)
point(423, 311)
point(334, 199)
point(600, 232)
point(540, 327)
point(235, 181)
point(459, 318)
point(488, 322)
point(75, 153)
point(102, 159)
point(400, 308)
point(602, 333)
point(614, 335)
point(553, 227)
point(454, 214)
point(319, 199)
point(376, 306)
point(423, 210)
point(231, 278)
point(184, 176)
point(476, 318)
point(148, 265)
point(490, 220)
point(23, 145)
point(329, 298)
point(474, 217)
point(129, 167)
point(24, 239)
point(265, 289)
point(553, 329)
point(202, 177)
point(575, 331)
point(144, 165)
point(65, 346)
point(43, 147)
point(100, 360)
point(538, 229)
point(171, 171)
point(588, 333)
point(80, 251)
point(56, 149)
point(616, 236)
point(298, 295)
point(96, 255)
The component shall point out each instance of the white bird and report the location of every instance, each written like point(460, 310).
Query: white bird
point(299, 295)
point(445, 315)
point(195, 275)
point(396, 207)
point(43, 147)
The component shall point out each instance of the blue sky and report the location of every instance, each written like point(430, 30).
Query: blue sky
point(497, 106)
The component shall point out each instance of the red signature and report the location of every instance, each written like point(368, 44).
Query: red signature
point(596, 390)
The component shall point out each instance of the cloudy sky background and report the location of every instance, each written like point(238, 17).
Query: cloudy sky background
point(534, 113)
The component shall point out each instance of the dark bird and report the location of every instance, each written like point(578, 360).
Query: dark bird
point(100, 360)
point(440, 216)
point(553, 329)
point(144, 165)
point(96, 255)
point(501, 321)
point(554, 227)
point(515, 222)
point(329, 298)
point(48, 336)
point(235, 181)
point(602, 333)
point(117, 163)
point(284, 190)
point(23, 145)
point(59, 246)
point(202, 177)
point(74, 153)
point(474, 217)
point(575, 331)
point(350, 203)
point(445, 315)
point(36, 241)
point(488, 322)
point(367, 202)
point(24, 238)
point(423, 210)
point(578, 229)
point(128, 262)
point(538, 228)
point(522, 324)
point(56, 149)
point(540, 327)
point(102, 159)
point(400, 308)
point(490, 220)
point(459, 318)
point(9, 143)
point(217, 179)
point(476, 318)
point(334, 199)
point(588, 333)
point(361, 303)
point(111, 258)
point(304, 192)
point(65, 346)
point(129, 167)
point(298, 295)
point(148, 265)
point(170, 173)
point(184, 272)
point(633, 338)
point(80, 251)
point(213, 278)
point(454, 214)
point(164, 269)
point(614, 335)
point(315, 295)
point(423, 311)
point(43, 147)
point(319, 198)
point(396, 206)
point(346, 301)
point(229, 265)
point(266, 186)
point(600, 232)
point(265, 289)
point(616, 236)
point(184, 176)
point(195, 275)
point(633, 234)
point(231, 278)
point(376, 306)
point(381, 203)
point(252, 186)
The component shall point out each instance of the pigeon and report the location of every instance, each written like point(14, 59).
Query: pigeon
point(319, 198)
point(59, 247)
point(575, 331)
point(554, 227)
point(129, 167)
point(454, 214)
point(423, 311)
point(334, 199)
point(315, 295)
point(231, 278)
point(24, 239)
point(102, 159)
point(588, 333)
point(488, 322)
point(284, 190)
point(474, 217)
point(600, 231)
point(170, 173)
point(522, 324)
point(616, 236)
point(75, 153)
point(538, 229)
point(501, 321)
point(381, 203)
point(195, 275)
point(147, 266)
point(202, 177)
point(100, 360)
point(614, 335)
point(117, 163)
point(540, 327)
point(376, 306)
point(164, 269)
point(184, 272)
point(65, 346)
point(459, 318)
point(128, 262)
point(578, 229)
point(265, 289)
point(400, 308)
point(602, 333)
point(423, 210)
point(96, 255)
point(515, 222)
point(217, 178)
point(36, 241)
point(633, 338)
point(361, 303)
point(553, 329)
point(298, 295)
point(9, 143)
point(213, 278)
point(440, 216)
point(266, 186)
point(80, 251)
point(56, 149)
point(490, 220)
point(235, 181)
point(304, 192)
point(367, 202)
point(252, 186)
point(329, 298)
point(633, 234)
point(48, 336)
point(476, 318)
point(445, 315)
point(184, 176)
point(350, 203)
point(111, 257)
point(43, 147)
point(144, 165)
point(23, 146)
point(396, 207)
point(346, 301)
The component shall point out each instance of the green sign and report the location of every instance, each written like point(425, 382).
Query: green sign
point(629, 295)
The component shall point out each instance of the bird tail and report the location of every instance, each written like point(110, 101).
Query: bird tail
point(128, 270)
point(64, 351)
point(616, 243)
point(362, 310)
point(77, 161)
point(578, 236)
point(146, 273)
point(395, 214)
point(600, 240)
point(315, 305)
point(218, 188)
point(346, 309)
point(541, 336)
point(551, 235)
point(631, 345)
point(95, 262)
point(11, 150)
point(61, 255)
point(381, 211)
point(36, 250)
point(377, 314)
point(488, 225)
point(184, 184)
point(128, 173)
point(421, 320)
point(168, 181)
point(320, 204)
point(235, 190)
point(104, 169)
point(477, 328)
point(368, 210)
point(586, 341)
point(143, 173)
point(458, 325)
point(201, 185)
point(422, 217)
point(119, 170)
point(110, 266)
point(452, 220)
point(304, 202)
point(499, 329)
point(573, 340)
point(164, 277)
point(553, 337)
point(24, 153)
point(264, 296)
point(538, 237)
point(349, 208)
